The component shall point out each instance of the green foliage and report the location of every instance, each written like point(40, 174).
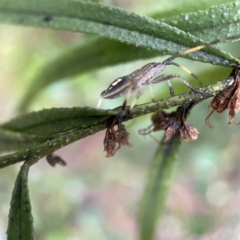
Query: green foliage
point(221, 20)
point(38, 134)
point(151, 37)
point(56, 120)
point(126, 37)
point(158, 182)
point(20, 224)
point(41, 133)
point(108, 22)
point(188, 8)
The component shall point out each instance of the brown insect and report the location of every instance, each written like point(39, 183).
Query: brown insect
point(135, 81)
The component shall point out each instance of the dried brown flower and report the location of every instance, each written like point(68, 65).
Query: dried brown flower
point(234, 103)
point(227, 99)
point(115, 138)
point(173, 123)
point(188, 132)
point(54, 159)
point(109, 143)
point(162, 120)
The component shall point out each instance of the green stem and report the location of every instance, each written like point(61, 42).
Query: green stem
point(155, 193)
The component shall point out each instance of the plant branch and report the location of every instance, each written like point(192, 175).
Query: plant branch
point(57, 141)
point(173, 101)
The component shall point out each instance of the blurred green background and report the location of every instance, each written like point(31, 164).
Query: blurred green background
point(95, 197)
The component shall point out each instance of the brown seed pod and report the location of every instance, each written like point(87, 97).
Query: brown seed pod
point(234, 103)
point(227, 99)
point(173, 123)
point(115, 138)
point(54, 159)
point(109, 143)
point(188, 132)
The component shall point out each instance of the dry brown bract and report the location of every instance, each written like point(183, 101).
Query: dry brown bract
point(173, 123)
point(54, 159)
point(227, 99)
point(114, 139)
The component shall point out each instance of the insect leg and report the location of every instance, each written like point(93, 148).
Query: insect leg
point(207, 120)
point(146, 131)
point(170, 88)
point(127, 96)
point(188, 71)
point(139, 93)
point(151, 92)
point(167, 77)
point(162, 78)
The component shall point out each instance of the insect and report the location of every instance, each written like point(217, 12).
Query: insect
point(135, 81)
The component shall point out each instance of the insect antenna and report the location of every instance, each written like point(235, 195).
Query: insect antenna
point(197, 48)
point(158, 142)
point(207, 120)
point(169, 61)
point(146, 131)
point(188, 71)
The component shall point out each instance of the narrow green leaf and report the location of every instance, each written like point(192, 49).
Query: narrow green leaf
point(13, 140)
point(53, 121)
point(158, 182)
point(156, 38)
point(37, 128)
point(108, 22)
point(218, 21)
point(20, 225)
point(33, 154)
point(192, 6)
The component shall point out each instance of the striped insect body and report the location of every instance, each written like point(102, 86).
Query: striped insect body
point(117, 88)
point(135, 81)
